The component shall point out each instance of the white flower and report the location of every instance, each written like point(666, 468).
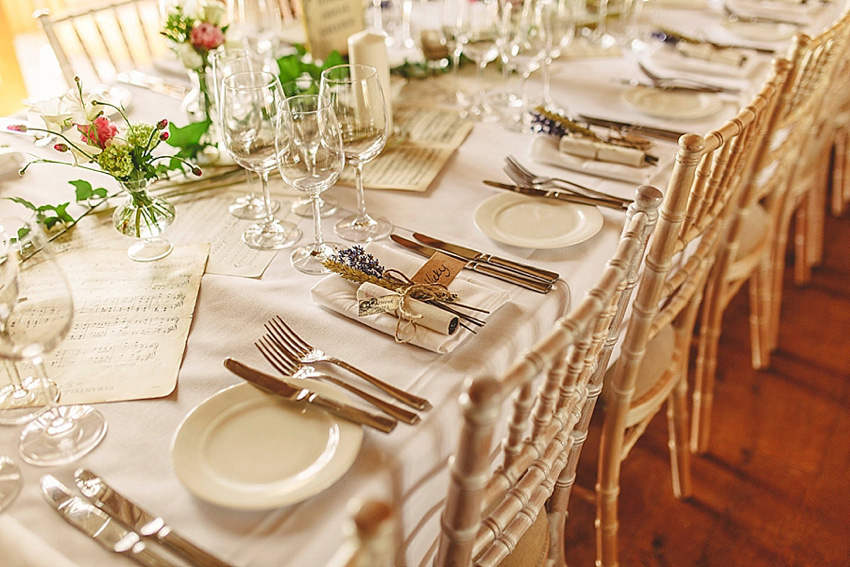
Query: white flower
point(190, 58)
point(212, 12)
point(61, 113)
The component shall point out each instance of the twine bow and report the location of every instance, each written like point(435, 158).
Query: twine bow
point(407, 289)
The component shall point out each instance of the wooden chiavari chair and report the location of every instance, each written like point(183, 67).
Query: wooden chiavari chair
point(513, 513)
point(653, 363)
point(98, 43)
point(788, 180)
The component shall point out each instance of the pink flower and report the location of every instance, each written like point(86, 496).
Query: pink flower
point(206, 36)
point(99, 132)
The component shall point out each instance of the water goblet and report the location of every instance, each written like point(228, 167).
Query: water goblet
point(354, 92)
point(36, 312)
point(251, 108)
point(226, 62)
point(311, 159)
point(481, 46)
point(257, 24)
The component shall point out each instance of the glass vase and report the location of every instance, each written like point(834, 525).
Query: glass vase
point(198, 102)
point(144, 217)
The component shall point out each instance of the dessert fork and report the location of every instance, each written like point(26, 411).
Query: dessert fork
point(307, 353)
point(523, 176)
point(287, 364)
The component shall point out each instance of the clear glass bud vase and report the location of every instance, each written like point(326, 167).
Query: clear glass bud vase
point(144, 217)
point(198, 102)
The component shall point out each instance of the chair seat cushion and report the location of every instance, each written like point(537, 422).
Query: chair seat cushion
point(532, 549)
point(659, 353)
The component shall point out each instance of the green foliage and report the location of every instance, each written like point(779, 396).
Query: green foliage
point(85, 190)
point(188, 141)
point(48, 215)
point(297, 65)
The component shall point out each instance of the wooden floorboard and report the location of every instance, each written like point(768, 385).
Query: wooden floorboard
point(774, 488)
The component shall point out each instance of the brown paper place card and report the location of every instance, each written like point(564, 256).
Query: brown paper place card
point(328, 23)
point(439, 269)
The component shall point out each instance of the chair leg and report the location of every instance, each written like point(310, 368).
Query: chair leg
point(839, 173)
point(677, 424)
point(759, 289)
point(702, 397)
point(817, 211)
point(802, 274)
point(608, 483)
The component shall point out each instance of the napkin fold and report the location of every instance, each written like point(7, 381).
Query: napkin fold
point(596, 150)
point(21, 547)
point(544, 149)
point(340, 295)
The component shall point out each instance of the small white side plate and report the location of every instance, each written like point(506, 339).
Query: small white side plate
point(682, 105)
point(534, 222)
point(248, 450)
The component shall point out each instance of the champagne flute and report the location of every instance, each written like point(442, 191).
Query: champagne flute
point(311, 159)
point(251, 108)
point(226, 62)
point(355, 94)
point(36, 311)
point(482, 48)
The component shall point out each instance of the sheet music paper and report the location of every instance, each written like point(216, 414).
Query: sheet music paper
point(432, 138)
point(131, 322)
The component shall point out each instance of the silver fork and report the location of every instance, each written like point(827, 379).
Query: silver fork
point(672, 81)
point(286, 363)
point(308, 353)
point(523, 176)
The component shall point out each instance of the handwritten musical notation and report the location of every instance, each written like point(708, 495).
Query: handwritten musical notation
point(131, 321)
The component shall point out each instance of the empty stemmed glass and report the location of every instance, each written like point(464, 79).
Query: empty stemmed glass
point(24, 398)
point(524, 36)
point(355, 94)
point(481, 46)
point(559, 17)
point(311, 159)
point(257, 24)
point(250, 115)
point(227, 62)
point(36, 311)
point(10, 481)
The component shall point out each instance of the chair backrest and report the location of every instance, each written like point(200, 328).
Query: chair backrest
point(487, 511)
point(702, 191)
point(98, 43)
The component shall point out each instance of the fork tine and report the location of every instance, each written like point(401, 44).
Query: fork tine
point(285, 340)
point(283, 358)
point(283, 352)
point(287, 330)
point(269, 355)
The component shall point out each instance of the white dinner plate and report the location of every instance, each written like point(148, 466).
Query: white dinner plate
point(682, 105)
point(248, 450)
point(761, 31)
point(535, 222)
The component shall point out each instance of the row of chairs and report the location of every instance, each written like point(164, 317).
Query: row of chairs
point(725, 222)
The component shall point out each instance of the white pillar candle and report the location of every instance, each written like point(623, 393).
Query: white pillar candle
point(370, 48)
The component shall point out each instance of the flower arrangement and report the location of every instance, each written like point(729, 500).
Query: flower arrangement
point(195, 29)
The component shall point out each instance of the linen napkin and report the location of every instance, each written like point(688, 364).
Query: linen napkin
point(339, 295)
point(21, 547)
point(544, 149)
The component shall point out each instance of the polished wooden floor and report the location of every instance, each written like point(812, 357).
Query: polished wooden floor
point(774, 490)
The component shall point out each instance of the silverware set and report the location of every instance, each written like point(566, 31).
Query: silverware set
point(683, 83)
point(120, 525)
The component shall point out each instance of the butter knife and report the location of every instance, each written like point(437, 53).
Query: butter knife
point(95, 523)
point(559, 195)
point(486, 269)
point(279, 387)
point(651, 131)
point(472, 255)
point(135, 518)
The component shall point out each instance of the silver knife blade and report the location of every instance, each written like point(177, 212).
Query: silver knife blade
point(95, 523)
point(137, 519)
point(560, 196)
point(279, 387)
point(670, 86)
point(662, 133)
point(470, 254)
point(486, 269)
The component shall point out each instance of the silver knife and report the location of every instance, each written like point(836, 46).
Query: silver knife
point(559, 195)
point(669, 86)
point(651, 131)
point(278, 387)
point(486, 269)
point(471, 255)
point(135, 518)
point(95, 523)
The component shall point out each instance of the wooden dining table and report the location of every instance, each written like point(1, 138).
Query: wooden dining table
point(407, 467)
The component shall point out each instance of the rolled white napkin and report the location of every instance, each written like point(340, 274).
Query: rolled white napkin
point(340, 295)
point(601, 151)
point(370, 48)
point(10, 161)
point(544, 149)
point(421, 313)
point(21, 547)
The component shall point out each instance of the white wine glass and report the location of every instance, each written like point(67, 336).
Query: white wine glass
point(311, 159)
point(11, 481)
point(355, 94)
point(559, 17)
point(482, 34)
point(257, 24)
point(251, 108)
point(226, 62)
point(36, 313)
point(523, 41)
point(24, 398)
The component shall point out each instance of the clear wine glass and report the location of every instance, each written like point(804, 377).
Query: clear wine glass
point(10, 481)
point(251, 108)
point(454, 19)
point(24, 398)
point(355, 94)
point(36, 311)
point(559, 17)
point(523, 40)
point(311, 159)
point(257, 24)
point(481, 47)
point(226, 62)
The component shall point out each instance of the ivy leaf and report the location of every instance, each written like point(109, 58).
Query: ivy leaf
point(290, 68)
point(189, 135)
point(334, 58)
point(24, 202)
point(85, 190)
